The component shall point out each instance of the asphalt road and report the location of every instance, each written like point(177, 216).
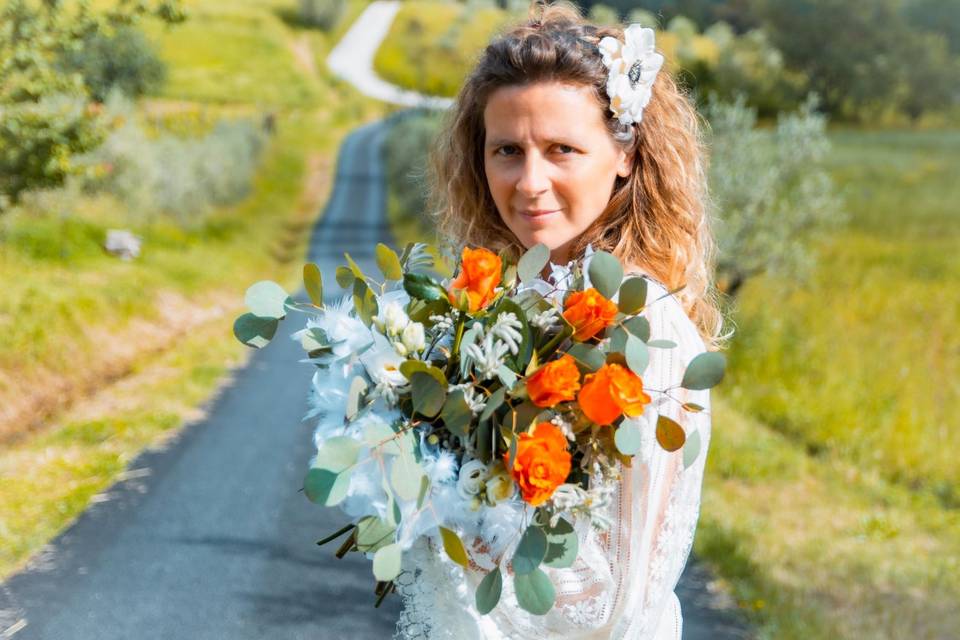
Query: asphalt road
point(211, 537)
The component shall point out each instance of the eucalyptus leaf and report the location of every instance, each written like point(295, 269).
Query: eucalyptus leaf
point(633, 296)
point(428, 394)
point(388, 262)
point(532, 262)
point(345, 277)
point(605, 273)
point(409, 367)
point(493, 403)
point(374, 533)
point(456, 413)
point(704, 371)
point(354, 267)
point(638, 326)
point(662, 344)
point(424, 491)
point(535, 592)
point(636, 354)
point(691, 449)
point(587, 357)
point(562, 545)
point(255, 331)
point(405, 477)
point(488, 591)
point(454, 547)
point(530, 550)
point(386, 562)
point(670, 434)
point(267, 299)
point(313, 283)
point(692, 407)
point(337, 454)
point(357, 388)
point(326, 487)
point(628, 438)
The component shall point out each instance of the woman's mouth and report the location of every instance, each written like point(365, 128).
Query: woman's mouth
point(538, 217)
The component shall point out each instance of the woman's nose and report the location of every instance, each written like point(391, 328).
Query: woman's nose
point(534, 178)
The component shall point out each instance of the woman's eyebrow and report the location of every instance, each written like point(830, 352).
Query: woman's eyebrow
point(496, 142)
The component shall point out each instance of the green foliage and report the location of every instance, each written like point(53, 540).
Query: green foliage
point(773, 194)
point(181, 177)
point(44, 119)
point(603, 15)
point(936, 16)
point(124, 60)
point(324, 14)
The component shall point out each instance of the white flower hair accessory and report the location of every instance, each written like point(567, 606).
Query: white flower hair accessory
point(633, 67)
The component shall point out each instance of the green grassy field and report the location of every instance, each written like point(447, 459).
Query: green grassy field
point(156, 331)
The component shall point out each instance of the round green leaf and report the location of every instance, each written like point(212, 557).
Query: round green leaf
point(704, 371)
point(337, 454)
point(423, 287)
point(388, 262)
point(628, 438)
point(456, 413)
point(691, 449)
point(638, 326)
point(254, 331)
point(488, 591)
point(374, 533)
point(267, 299)
point(345, 277)
point(532, 262)
point(605, 273)
point(535, 592)
point(633, 295)
point(326, 487)
point(386, 562)
point(587, 357)
point(562, 545)
point(636, 354)
point(662, 344)
point(428, 395)
point(530, 551)
point(313, 283)
point(692, 407)
point(670, 434)
point(493, 403)
point(405, 476)
point(454, 547)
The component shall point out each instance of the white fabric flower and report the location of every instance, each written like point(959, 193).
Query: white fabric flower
point(472, 476)
point(633, 66)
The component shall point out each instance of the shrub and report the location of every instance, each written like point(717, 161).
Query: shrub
point(124, 59)
point(323, 14)
point(405, 158)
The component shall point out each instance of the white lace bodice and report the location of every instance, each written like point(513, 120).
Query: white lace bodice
point(621, 586)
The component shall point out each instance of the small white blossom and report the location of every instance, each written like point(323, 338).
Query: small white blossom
point(565, 427)
point(413, 337)
point(392, 319)
point(441, 323)
point(545, 319)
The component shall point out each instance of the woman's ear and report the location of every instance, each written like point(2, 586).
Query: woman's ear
point(624, 164)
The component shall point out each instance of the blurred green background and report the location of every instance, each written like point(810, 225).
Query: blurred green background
point(210, 129)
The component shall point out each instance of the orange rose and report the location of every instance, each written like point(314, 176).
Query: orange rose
point(479, 276)
point(542, 463)
point(589, 313)
point(554, 382)
point(611, 391)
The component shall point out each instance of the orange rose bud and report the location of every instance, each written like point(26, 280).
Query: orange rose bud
point(542, 463)
point(556, 381)
point(589, 313)
point(611, 391)
point(480, 273)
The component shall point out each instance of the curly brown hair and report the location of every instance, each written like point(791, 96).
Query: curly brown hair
point(657, 218)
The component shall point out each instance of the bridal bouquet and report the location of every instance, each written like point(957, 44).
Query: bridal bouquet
point(487, 412)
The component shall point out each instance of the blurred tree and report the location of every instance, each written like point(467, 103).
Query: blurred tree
point(936, 16)
point(45, 118)
point(737, 13)
point(603, 15)
point(771, 191)
point(323, 14)
point(124, 59)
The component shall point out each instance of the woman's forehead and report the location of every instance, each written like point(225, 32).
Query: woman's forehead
point(542, 111)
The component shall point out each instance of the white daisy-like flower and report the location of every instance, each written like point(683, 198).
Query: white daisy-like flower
point(633, 66)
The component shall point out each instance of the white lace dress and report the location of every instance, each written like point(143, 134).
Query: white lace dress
point(622, 584)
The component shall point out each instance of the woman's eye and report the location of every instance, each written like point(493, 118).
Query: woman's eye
point(565, 148)
point(505, 151)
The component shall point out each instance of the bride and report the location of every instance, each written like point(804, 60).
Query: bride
point(570, 134)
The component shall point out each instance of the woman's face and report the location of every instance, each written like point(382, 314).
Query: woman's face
point(550, 162)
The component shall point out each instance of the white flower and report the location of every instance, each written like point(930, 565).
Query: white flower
point(487, 357)
point(472, 476)
point(633, 66)
point(413, 337)
point(507, 328)
point(382, 363)
point(500, 486)
point(392, 319)
point(345, 331)
point(544, 320)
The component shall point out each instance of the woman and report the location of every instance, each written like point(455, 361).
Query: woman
point(563, 137)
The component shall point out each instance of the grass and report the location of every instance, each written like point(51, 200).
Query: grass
point(155, 332)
